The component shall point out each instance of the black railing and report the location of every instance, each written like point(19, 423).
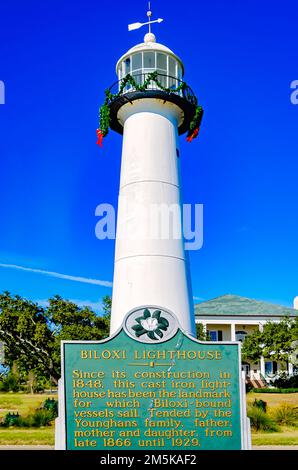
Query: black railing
point(163, 82)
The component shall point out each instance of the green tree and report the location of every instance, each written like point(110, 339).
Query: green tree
point(107, 306)
point(32, 334)
point(26, 334)
point(294, 329)
point(251, 347)
point(275, 342)
point(202, 334)
point(70, 322)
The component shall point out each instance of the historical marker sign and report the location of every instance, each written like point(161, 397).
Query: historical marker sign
point(150, 389)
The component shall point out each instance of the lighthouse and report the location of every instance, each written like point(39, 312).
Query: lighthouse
point(151, 106)
point(152, 319)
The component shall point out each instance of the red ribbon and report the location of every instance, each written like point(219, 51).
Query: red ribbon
point(192, 136)
point(99, 137)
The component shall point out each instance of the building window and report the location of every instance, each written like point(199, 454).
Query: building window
point(240, 335)
point(268, 367)
point(215, 335)
point(245, 367)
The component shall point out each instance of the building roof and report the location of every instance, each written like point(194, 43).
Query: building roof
point(234, 305)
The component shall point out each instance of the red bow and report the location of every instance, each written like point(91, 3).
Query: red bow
point(192, 136)
point(99, 137)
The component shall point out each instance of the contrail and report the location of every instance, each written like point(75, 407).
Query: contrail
point(59, 275)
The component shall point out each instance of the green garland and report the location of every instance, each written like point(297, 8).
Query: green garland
point(196, 120)
point(104, 112)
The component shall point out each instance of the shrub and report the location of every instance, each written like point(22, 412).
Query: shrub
point(40, 418)
point(10, 383)
point(51, 405)
point(11, 419)
point(36, 419)
point(286, 414)
point(260, 404)
point(284, 381)
point(260, 421)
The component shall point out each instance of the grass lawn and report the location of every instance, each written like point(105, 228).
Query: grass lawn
point(22, 436)
point(20, 402)
point(273, 399)
point(24, 403)
point(288, 436)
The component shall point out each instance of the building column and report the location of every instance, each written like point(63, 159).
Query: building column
point(262, 365)
point(233, 332)
point(290, 369)
point(262, 360)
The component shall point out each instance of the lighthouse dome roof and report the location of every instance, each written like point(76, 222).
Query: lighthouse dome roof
point(150, 44)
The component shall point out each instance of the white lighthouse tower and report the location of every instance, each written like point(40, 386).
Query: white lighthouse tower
point(152, 108)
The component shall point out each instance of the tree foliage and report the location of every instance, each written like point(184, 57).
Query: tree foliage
point(276, 342)
point(32, 334)
point(202, 334)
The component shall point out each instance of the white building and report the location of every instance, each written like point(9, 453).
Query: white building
point(231, 318)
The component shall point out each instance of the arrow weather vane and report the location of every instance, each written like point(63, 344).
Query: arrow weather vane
point(133, 26)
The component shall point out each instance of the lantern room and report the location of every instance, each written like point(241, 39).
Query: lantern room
point(151, 70)
point(148, 57)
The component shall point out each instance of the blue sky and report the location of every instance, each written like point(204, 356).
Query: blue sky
point(56, 59)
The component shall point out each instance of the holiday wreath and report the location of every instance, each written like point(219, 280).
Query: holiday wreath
point(104, 111)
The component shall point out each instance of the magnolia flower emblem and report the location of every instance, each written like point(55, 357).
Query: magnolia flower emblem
point(151, 324)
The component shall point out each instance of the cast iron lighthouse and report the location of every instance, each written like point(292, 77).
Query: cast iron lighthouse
point(124, 392)
point(151, 106)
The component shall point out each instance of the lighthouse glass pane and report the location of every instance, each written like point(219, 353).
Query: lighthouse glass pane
point(172, 73)
point(179, 72)
point(127, 69)
point(172, 67)
point(162, 78)
point(119, 73)
point(161, 61)
point(161, 67)
point(180, 78)
point(136, 61)
point(138, 77)
point(136, 67)
point(149, 65)
point(127, 65)
point(149, 60)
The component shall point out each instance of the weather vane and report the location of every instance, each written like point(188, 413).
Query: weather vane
point(133, 26)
